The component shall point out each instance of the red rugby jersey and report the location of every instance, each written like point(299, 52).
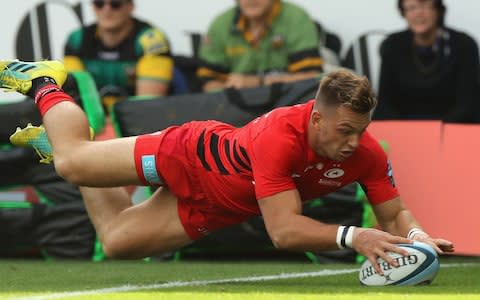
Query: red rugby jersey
point(271, 154)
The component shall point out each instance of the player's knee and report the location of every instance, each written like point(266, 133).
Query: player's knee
point(64, 169)
point(120, 248)
point(111, 252)
point(67, 168)
point(280, 241)
point(117, 249)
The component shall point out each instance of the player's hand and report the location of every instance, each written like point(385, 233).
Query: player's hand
point(440, 245)
point(373, 243)
point(239, 81)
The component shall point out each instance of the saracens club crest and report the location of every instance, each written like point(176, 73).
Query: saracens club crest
point(334, 173)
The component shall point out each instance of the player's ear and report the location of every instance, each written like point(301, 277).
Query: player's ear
point(316, 118)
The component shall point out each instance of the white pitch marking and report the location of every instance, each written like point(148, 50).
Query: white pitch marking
point(174, 284)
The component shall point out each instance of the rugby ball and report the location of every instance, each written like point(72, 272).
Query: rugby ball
point(419, 267)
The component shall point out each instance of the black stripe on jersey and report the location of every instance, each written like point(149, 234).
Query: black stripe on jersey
point(300, 55)
point(244, 153)
point(201, 151)
point(213, 67)
point(216, 155)
point(229, 156)
point(238, 159)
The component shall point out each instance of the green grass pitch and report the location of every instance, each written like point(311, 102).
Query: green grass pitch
point(459, 278)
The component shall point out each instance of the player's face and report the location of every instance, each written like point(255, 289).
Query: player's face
point(421, 16)
point(335, 132)
point(255, 9)
point(112, 15)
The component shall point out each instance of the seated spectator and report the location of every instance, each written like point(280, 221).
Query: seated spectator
point(428, 71)
point(126, 56)
point(259, 42)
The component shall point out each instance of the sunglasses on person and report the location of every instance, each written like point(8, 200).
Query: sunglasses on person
point(114, 4)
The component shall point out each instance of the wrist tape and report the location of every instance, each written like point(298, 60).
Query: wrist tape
point(345, 236)
point(414, 231)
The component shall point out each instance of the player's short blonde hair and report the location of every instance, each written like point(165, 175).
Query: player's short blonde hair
point(342, 87)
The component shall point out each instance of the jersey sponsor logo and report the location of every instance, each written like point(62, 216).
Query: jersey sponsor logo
point(109, 55)
point(149, 169)
point(334, 173)
point(329, 182)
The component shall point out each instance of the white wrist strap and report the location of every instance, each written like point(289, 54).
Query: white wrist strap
point(345, 236)
point(414, 231)
point(349, 237)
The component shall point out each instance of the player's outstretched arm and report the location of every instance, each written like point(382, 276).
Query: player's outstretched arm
point(393, 217)
point(290, 230)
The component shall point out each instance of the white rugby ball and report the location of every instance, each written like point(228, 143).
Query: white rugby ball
point(419, 267)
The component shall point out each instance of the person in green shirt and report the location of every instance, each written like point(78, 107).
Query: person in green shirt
point(121, 52)
point(259, 42)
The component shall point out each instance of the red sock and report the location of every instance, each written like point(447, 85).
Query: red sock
point(48, 96)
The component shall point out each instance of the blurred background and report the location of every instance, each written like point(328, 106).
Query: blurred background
point(349, 19)
point(441, 157)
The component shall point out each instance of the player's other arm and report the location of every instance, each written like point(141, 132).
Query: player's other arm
point(289, 230)
point(394, 218)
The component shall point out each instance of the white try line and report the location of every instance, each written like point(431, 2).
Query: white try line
point(174, 284)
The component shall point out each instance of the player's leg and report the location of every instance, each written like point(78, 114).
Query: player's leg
point(80, 161)
point(111, 212)
point(126, 231)
point(83, 163)
point(88, 163)
point(104, 204)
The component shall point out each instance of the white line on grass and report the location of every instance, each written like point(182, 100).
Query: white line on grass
point(173, 284)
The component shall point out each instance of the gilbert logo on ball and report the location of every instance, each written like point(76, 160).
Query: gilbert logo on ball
point(420, 266)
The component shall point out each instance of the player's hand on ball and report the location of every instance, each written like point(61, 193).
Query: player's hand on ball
point(373, 243)
point(440, 245)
